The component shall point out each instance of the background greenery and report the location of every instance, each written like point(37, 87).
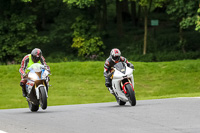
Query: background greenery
point(74, 30)
point(83, 82)
point(76, 37)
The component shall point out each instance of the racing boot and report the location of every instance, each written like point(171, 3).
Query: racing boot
point(23, 89)
point(111, 90)
point(24, 92)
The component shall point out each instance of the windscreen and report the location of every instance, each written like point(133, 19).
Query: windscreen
point(36, 67)
point(120, 67)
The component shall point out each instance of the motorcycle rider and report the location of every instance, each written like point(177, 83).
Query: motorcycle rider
point(28, 60)
point(115, 57)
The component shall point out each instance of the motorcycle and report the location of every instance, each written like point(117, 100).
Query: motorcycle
point(123, 84)
point(37, 86)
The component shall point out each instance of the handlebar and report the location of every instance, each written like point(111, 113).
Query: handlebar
point(110, 74)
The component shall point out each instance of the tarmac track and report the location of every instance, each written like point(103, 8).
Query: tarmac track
point(175, 115)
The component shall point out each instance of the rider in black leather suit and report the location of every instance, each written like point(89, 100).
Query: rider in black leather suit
point(115, 57)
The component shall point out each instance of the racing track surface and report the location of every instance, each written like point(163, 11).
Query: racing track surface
point(176, 115)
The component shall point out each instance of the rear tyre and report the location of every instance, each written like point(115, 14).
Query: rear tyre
point(120, 102)
point(33, 107)
point(43, 98)
point(130, 95)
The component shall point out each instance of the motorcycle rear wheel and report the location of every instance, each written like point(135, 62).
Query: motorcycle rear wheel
point(33, 107)
point(120, 102)
point(130, 95)
point(43, 98)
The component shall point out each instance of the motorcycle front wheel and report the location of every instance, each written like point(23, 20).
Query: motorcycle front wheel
point(33, 107)
point(43, 98)
point(130, 95)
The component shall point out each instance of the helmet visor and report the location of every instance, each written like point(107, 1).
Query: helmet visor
point(116, 58)
point(36, 59)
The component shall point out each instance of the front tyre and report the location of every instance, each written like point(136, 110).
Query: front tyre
point(130, 95)
point(43, 98)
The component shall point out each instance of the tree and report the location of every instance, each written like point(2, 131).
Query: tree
point(184, 13)
point(80, 3)
point(198, 19)
point(103, 15)
point(147, 5)
point(119, 18)
point(18, 32)
point(86, 37)
point(135, 12)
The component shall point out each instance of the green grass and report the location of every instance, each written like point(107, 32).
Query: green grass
point(83, 82)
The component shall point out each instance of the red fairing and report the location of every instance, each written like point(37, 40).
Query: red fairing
point(132, 87)
point(125, 85)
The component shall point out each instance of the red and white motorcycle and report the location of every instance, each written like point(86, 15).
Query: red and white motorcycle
point(123, 84)
point(37, 86)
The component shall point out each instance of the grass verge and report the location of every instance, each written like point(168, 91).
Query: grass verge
point(83, 82)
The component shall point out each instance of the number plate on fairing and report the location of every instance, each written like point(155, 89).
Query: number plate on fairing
point(29, 86)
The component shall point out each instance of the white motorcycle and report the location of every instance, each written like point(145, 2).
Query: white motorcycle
point(123, 84)
point(37, 86)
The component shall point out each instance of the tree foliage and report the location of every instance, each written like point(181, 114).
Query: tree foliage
point(86, 38)
point(18, 33)
point(80, 3)
point(198, 19)
point(147, 5)
point(184, 12)
point(63, 28)
point(26, 0)
point(156, 3)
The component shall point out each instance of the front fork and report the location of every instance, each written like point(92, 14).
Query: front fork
point(38, 91)
point(123, 85)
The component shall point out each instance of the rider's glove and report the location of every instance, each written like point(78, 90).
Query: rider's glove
point(130, 65)
point(24, 75)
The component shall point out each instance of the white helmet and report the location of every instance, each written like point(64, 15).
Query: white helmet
point(115, 54)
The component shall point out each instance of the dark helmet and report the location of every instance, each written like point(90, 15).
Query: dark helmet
point(36, 55)
point(115, 54)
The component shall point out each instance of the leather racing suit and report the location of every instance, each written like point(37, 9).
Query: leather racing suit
point(109, 63)
point(27, 62)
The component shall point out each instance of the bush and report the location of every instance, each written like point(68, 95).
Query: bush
point(166, 56)
point(86, 38)
point(60, 57)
